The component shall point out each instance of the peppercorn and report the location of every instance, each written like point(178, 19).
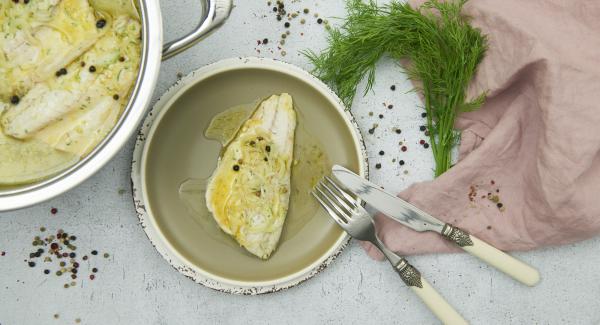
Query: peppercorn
point(380, 115)
point(390, 106)
point(236, 168)
point(72, 255)
point(116, 97)
point(106, 255)
point(94, 252)
point(274, 9)
point(401, 162)
point(393, 87)
point(268, 148)
point(278, 17)
point(319, 21)
point(371, 131)
point(95, 270)
point(15, 100)
point(31, 263)
point(46, 271)
point(398, 131)
point(426, 145)
point(499, 205)
point(378, 166)
point(286, 25)
point(72, 238)
point(381, 152)
point(305, 10)
point(101, 23)
point(265, 41)
point(122, 59)
point(61, 72)
point(422, 128)
point(424, 114)
point(92, 69)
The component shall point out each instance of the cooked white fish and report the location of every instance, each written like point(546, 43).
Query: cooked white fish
point(30, 161)
point(41, 37)
point(248, 194)
point(59, 110)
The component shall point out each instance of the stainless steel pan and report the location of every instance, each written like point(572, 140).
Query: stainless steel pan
point(153, 52)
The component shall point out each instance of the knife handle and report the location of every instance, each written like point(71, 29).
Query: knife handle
point(432, 299)
point(511, 266)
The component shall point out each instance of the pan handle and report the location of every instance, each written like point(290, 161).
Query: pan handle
point(214, 14)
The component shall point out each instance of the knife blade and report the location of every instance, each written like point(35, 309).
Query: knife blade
point(389, 204)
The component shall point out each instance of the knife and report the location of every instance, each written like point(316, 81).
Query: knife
point(418, 220)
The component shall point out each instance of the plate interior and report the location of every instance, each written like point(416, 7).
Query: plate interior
point(178, 151)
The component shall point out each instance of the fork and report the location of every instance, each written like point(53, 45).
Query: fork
point(358, 223)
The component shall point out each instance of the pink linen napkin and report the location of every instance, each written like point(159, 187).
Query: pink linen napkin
point(534, 147)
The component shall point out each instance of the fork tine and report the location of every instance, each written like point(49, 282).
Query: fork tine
point(340, 221)
point(332, 204)
point(339, 200)
point(349, 199)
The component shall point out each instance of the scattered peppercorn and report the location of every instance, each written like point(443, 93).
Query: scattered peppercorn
point(378, 166)
point(46, 271)
point(235, 168)
point(95, 270)
point(371, 131)
point(306, 10)
point(499, 205)
point(398, 131)
point(106, 255)
point(101, 23)
point(380, 115)
point(122, 59)
point(15, 99)
point(424, 114)
point(390, 106)
point(268, 148)
point(381, 153)
point(401, 162)
point(265, 41)
point(319, 21)
point(72, 255)
point(31, 263)
point(422, 128)
point(286, 25)
point(116, 96)
point(94, 252)
point(393, 87)
point(92, 69)
point(426, 145)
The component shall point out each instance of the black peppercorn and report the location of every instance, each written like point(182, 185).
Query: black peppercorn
point(101, 23)
point(422, 128)
point(31, 264)
point(424, 114)
point(401, 162)
point(266, 41)
point(393, 87)
point(92, 69)
point(378, 166)
point(426, 145)
point(268, 148)
point(72, 255)
point(286, 25)
point(15, 100)
point(46, 271)
point(319, 21)
point(398, 131)
point(236, 168)
point(371, 131)
point(499, 205)
point(390, 106)
point(381, 153)
point(95, 270)
point(94, 252)
point(116, 97)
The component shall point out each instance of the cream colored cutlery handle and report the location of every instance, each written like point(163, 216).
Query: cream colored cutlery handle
point(437, 304)
point(432, 299)
point(511, 266)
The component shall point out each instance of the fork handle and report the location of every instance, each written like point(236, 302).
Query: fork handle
point(432, 299)
point(513, 267)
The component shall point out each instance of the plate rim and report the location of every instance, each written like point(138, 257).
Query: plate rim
point(145, 215)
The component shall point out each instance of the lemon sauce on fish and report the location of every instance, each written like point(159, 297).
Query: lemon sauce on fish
point(310, 163)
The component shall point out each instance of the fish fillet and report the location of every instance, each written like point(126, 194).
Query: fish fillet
point(248, 194)
point(41, 37)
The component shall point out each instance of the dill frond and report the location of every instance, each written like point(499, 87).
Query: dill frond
point(443, 49)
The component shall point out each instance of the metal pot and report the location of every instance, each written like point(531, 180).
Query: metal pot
point(153, 51)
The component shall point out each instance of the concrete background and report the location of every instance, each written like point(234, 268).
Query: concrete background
point(136, 286)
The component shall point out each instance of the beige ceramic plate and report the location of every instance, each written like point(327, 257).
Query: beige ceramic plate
point(171, 148)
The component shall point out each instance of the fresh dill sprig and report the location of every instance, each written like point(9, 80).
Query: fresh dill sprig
point(442, 48)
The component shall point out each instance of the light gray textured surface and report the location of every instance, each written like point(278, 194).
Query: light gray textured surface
point(136, 286)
